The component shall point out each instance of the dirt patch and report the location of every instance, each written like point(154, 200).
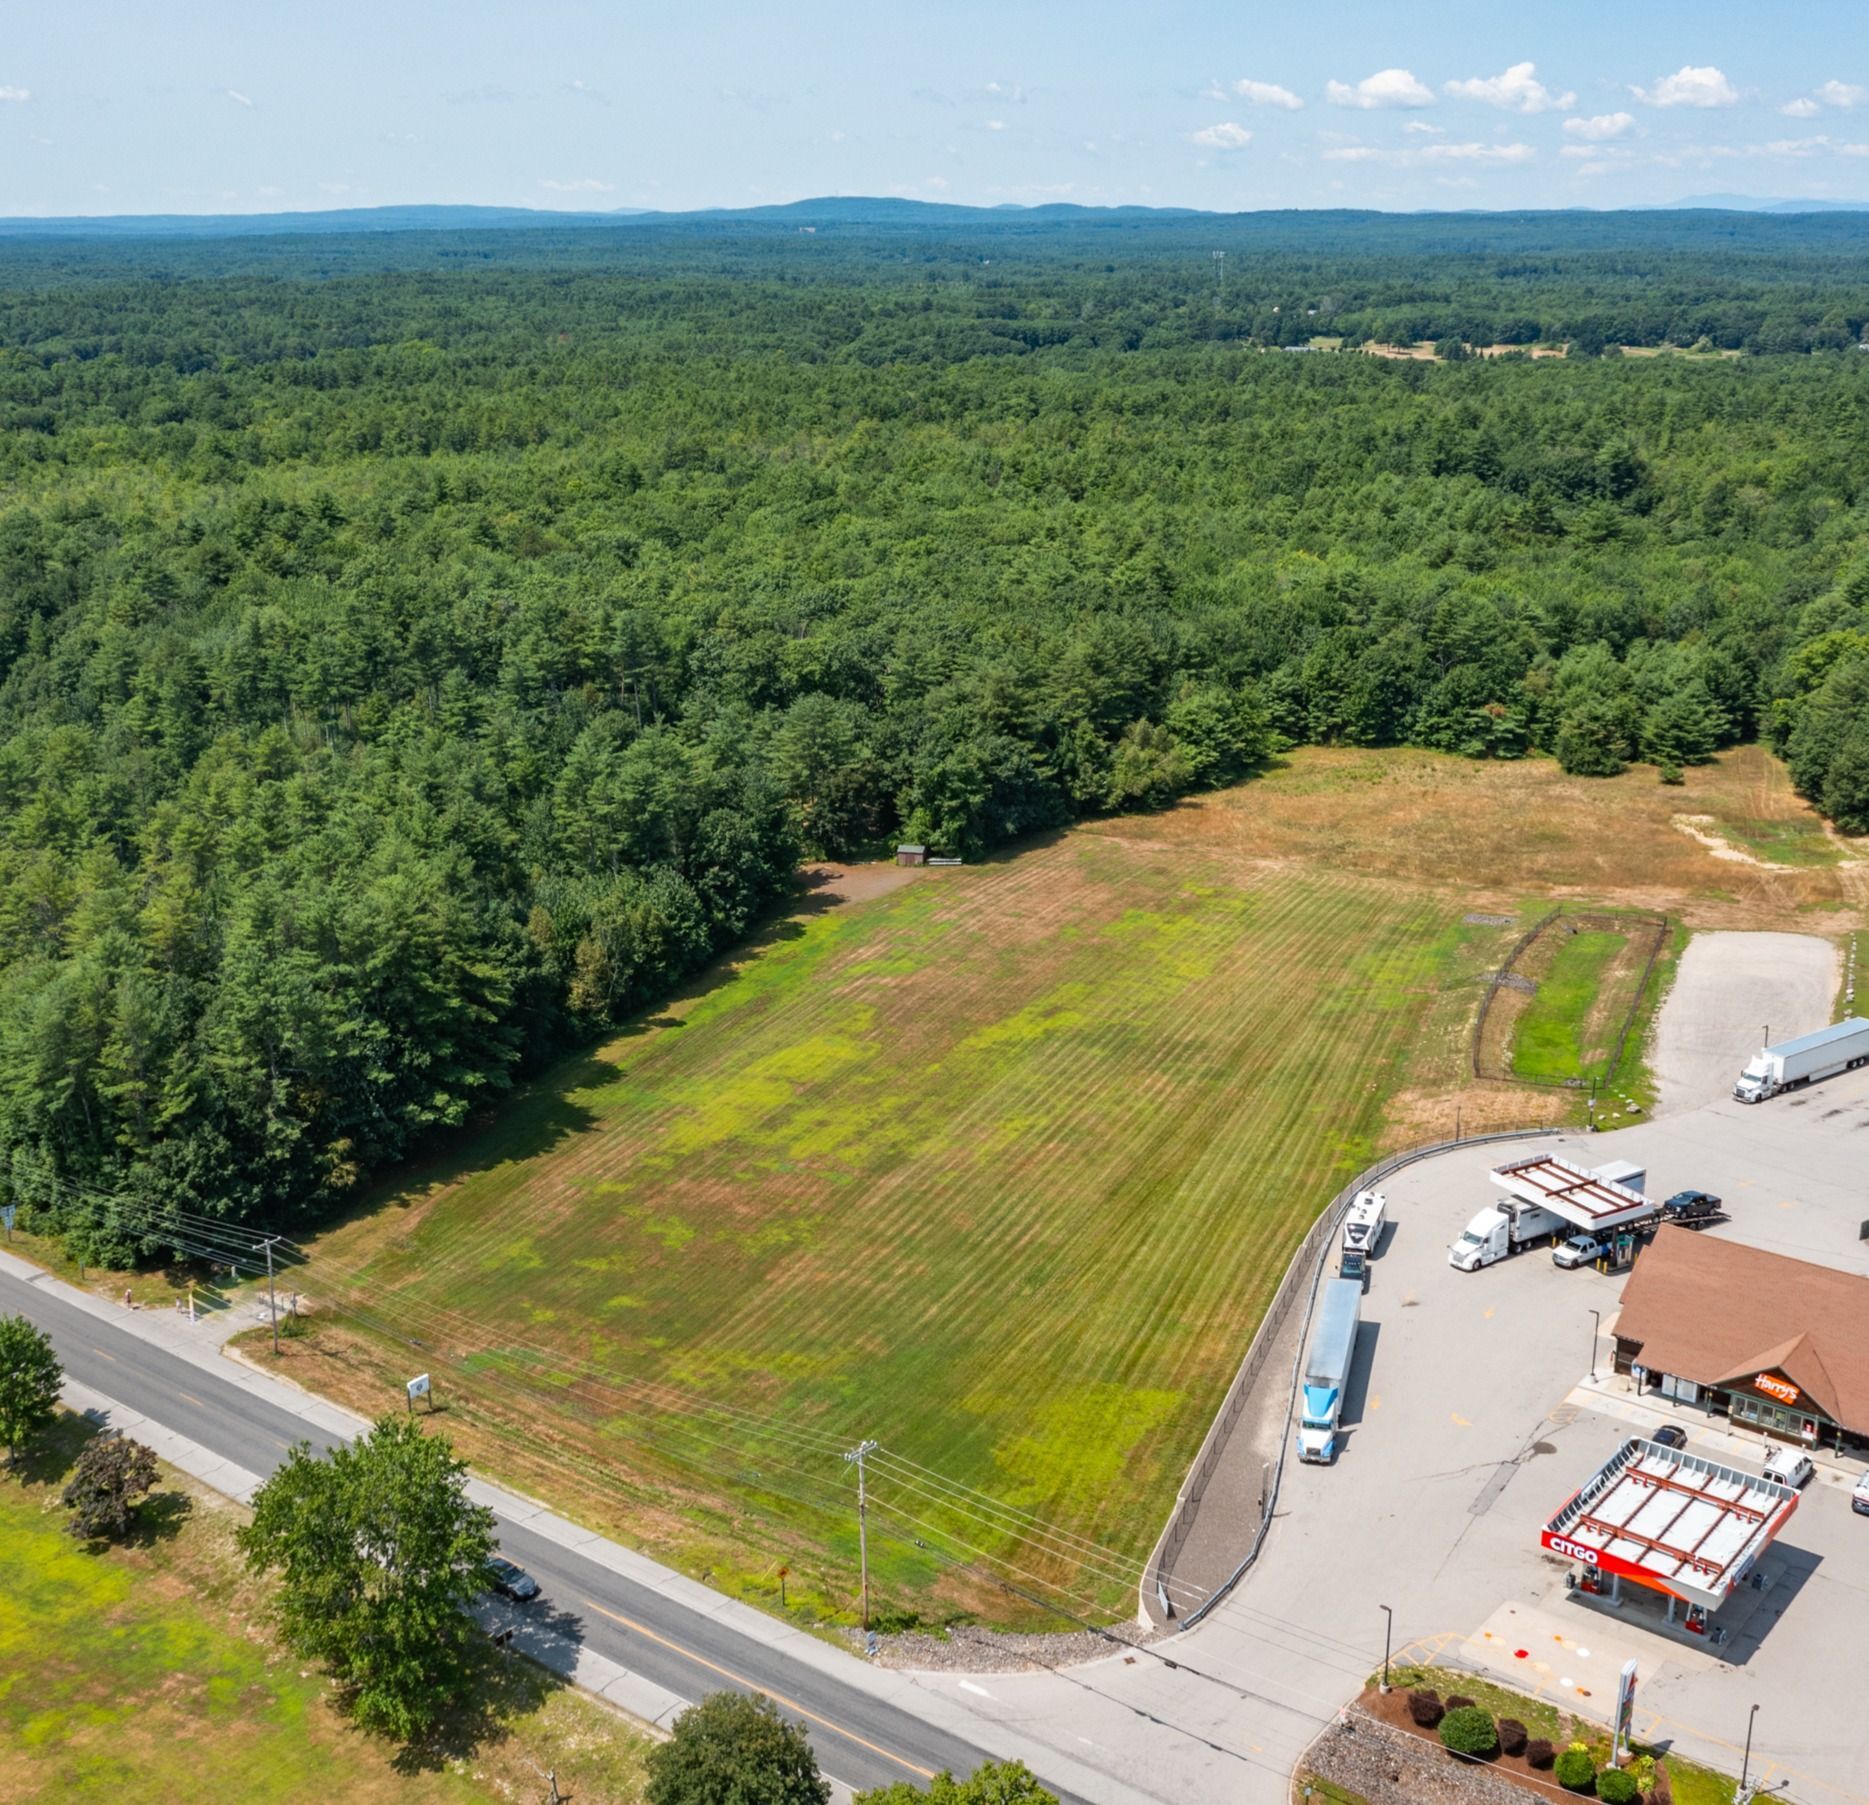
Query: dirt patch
point(860, 883)
point(1702, 828)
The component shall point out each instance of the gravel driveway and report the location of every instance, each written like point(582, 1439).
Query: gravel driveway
point(1729, 989)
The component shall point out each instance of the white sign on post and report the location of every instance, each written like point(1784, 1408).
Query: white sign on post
point(418, 1387)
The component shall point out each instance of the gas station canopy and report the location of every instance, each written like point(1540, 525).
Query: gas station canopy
point(1672, 1521)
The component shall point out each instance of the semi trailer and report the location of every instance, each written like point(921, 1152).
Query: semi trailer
point(1841, 1047)
point(1327, 1368)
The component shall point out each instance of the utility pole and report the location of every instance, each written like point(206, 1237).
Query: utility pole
point(859, 1454)
point(1388, 1633)
point(1596, 1335)
point(272, 1301)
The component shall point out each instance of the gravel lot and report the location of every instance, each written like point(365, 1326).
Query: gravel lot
point(1728, 989)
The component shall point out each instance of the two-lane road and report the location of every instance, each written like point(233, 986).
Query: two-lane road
point(860, 1739)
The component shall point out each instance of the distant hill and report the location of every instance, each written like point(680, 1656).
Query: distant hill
point(1754, 203)
point(826, 210)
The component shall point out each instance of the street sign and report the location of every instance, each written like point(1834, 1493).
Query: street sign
point(7, 1213)
point(418, 1387)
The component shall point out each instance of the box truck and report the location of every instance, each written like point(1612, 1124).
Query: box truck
point(1327, 1368)
point(1842, 1047)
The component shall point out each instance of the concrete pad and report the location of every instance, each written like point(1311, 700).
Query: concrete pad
point(1728, 989)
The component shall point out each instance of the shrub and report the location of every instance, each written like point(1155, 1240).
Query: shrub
point(1539, 1753)
point(1616, 1787)
point(1575, 1769)
point(1468, 1730)
point(113, 1476)
point(731, 1747)
point(1457, 1703)
point(1426, 1708)
point(1512, 1736)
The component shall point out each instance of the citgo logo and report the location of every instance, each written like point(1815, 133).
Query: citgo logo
point(1576, 1550)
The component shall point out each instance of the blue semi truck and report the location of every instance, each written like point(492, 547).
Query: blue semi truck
point(1327, 1368)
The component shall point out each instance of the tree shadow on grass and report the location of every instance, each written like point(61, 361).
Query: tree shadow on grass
point(47, 1460)
point(500, 1685)
point(159, 1518)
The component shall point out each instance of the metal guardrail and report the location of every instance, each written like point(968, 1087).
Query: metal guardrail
point(1313, 1252)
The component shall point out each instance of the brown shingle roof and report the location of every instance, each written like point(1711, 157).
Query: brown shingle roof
point(1718, 1313)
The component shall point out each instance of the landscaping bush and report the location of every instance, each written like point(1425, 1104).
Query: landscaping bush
point(1616, 1787)
point(1426, 1708)
point(1457, 1703)
point(1539, 1753)
point(1575, 1769)
point(1512, 1736)
point(1468, 1730)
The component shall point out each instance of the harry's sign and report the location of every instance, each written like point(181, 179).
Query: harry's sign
point(1781, 1389)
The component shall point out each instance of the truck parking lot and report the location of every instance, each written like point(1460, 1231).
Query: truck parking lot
point(1471, 1416)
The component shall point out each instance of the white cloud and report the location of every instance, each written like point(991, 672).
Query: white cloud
point(1422, 129)
point(1600, 128)
point(1386, 88)
point(1517, 90)
point(1431, 153)
point(1007, 90)
point(1476, 153)
point(1689, 86)
point(1853, 150)
point(996, 125)
point(1266, 94)
point(581, 185)
point(9, 93)
point(1225, 136)
point(1842, 94)
point(235, 94)
point(1800, 109)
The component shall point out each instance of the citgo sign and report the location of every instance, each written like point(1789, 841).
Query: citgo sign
point(1576, 1550)
point(1781, 1389)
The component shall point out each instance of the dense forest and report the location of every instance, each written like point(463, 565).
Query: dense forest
point(419, 652)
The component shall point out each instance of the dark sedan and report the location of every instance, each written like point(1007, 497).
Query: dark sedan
point(511, 1581)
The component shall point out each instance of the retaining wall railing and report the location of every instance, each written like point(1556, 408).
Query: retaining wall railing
point(1298, 1289)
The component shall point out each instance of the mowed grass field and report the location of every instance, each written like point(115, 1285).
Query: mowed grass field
point(147, 1672)
point(999, 1167)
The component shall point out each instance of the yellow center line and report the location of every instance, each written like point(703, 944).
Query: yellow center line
point(189, 1398)
point(752, 1685)
point(99, 1352)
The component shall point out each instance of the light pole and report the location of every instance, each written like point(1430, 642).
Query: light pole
point(272, 1300)
point(859, 1453)
point(1388, 1632)
point(1596, 1335)
point(1746, 1760)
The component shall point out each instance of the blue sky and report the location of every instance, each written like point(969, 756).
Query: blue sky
point(133, 106)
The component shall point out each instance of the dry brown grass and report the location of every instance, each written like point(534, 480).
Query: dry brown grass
point(1499, 833)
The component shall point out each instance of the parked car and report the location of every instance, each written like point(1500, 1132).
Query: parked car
point(1789, 1467)
point(1859, 1498)
point(511, 1581)
point(1577, 1250)
point(1687, 1207)
point(1668, 1436)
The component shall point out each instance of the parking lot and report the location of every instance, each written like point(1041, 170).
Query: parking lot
point(1471, 1418)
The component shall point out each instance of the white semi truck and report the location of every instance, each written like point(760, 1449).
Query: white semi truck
point(1546, 1197)
point(1327, 1368)
point(1841, 1047)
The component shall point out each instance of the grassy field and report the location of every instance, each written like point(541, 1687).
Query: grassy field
point(999, 1167)
point(147, 1673)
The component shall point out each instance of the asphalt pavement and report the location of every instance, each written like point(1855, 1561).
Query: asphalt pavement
point(860, 1739)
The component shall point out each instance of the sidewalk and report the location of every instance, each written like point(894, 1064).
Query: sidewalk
point(923, 1695)
point(1614, 1395)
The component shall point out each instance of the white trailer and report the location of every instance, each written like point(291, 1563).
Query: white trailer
point(1841, 1047)
point(1362, 1227)
point(1546, 1197)
point(1327, 1368)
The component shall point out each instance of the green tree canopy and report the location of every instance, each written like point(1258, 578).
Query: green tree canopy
point(30, 1377)
point(993, 1783)
point(734, 1750)
point(379, 1553)
point(113, 1475)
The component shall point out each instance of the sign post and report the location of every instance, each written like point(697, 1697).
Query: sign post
point(7, 1213)
point(1625, 1712)
point(419, 1388)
